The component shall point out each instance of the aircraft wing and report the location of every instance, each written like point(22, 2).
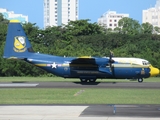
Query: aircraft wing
point(81, 60)
point(91, 60)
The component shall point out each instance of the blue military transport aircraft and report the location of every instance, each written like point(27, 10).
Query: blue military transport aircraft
point(87, 69)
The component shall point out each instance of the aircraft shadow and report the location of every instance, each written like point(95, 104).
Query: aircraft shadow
point(19, 81)
point(94, 83)
point(87, 83)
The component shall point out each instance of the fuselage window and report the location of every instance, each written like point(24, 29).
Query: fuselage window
point(145, 63)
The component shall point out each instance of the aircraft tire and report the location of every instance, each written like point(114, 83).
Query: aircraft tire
point(92, 80)
point(140, 80)
point(83, 80)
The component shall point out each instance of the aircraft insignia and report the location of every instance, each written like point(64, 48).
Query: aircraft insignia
point(19, 44)
point(54, 65)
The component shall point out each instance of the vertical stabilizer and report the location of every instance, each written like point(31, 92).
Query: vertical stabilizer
point(17, 44)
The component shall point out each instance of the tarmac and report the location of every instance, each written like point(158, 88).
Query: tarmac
point(124, 85)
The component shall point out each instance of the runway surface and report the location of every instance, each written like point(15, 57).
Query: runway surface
point(126, 85)
point(79, 112)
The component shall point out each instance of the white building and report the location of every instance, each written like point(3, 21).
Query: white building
point(10, 15)
point(110, 19)
point(152, 15)
point(59, 12)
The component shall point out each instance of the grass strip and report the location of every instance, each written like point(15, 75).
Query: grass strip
point(88, 96)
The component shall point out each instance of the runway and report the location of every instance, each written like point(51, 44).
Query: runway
point(79, 112)
point(124, 85)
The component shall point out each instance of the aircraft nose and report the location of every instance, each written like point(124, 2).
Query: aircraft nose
point(154, 71)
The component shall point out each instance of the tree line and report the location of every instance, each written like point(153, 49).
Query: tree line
point(82, 38)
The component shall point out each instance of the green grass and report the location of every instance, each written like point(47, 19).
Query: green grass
point(77, 96)
point(45, 79)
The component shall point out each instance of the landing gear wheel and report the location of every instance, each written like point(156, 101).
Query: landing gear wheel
point(92, 80)
point(83, 80)
point(140, 80)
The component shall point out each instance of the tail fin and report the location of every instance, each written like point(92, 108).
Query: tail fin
point(17, 44)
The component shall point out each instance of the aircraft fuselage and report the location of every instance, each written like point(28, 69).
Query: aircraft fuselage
point(92, 68)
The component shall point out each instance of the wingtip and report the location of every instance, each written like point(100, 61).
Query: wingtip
point(85, 57)
point(14, 21)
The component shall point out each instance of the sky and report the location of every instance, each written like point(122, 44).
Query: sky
point(88, 9)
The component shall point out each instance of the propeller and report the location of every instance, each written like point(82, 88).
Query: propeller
point(110, 57)
point(111, 60)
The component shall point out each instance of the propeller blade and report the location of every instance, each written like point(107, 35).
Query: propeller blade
point(110, 57)
point(111, 60)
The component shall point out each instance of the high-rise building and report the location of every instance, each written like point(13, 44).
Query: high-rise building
point(59, 12)
point(152, 15)
point(10, 15)
point(110, 19)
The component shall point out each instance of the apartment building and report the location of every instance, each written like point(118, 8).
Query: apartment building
point(10, 15)
point(59, 12)
point(110, 19)
point(152, 15)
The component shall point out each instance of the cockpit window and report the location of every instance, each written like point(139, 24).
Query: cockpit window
point(145, 63)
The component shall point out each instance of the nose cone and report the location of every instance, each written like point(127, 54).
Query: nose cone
point(154, 71)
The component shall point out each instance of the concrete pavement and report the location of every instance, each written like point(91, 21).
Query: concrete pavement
point(79, 112)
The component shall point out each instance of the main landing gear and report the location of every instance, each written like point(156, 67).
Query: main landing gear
point(91, 80)
point(140, 80)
